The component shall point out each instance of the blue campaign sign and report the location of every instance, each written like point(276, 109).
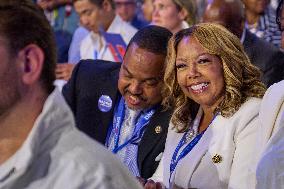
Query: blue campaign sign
point(116, 45)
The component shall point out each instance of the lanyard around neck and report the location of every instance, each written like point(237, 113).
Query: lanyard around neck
point(175, 159)
point(143, 120)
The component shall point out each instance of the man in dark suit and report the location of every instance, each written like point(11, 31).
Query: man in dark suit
point(104, 96)
point(230, 14)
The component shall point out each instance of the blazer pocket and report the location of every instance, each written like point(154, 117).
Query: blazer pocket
point(159, 157)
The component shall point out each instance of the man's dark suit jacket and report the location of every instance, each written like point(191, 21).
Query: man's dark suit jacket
point(269, 59)
point(90, 80)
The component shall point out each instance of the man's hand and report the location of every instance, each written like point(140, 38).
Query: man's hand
point(52, 4)
point(64, 71)
point(48, 4)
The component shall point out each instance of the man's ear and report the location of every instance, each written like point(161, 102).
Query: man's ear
point(32, 60)
point(107, 5)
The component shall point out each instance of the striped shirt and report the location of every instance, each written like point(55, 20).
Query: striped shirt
point(267, 28)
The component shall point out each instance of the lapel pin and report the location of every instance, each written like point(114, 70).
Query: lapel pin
point(217, 158)
point(105, 103)
point(158, 129)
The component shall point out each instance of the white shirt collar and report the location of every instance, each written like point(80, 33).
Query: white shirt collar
point(116, 23)
point(54, 109)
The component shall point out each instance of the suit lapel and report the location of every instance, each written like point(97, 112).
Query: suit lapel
point(248, 45)
point(193, 159)
point(152, 135)
point(253, 49)
point(248, 39)
point(110, 89)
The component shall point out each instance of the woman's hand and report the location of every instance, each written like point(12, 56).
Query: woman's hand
point(150, 184)
point(141, 180)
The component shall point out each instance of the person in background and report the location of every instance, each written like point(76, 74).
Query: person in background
point(39, 144)
point(268, 170)
point(64, 21)
point(201, 6)
point(280, 21)
point(261, 21)
point(128, 11)
point(96, 15)
point(174, 14)
point(268, 58)
point(269, 151)
point(216, 93)
point(147, 9)
point(119, 104)
point(61, 14)
point(74, 49)
point(274, 4)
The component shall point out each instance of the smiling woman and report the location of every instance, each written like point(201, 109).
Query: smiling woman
point(200, 75)
point(216, 93)
point(205, 50)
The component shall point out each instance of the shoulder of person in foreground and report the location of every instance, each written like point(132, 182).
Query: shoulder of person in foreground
point(87, 164)
point(57, 155)
point(270, 112)
point(76, 161)
point(270, 166)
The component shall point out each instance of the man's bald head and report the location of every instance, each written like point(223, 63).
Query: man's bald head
point(229, 13)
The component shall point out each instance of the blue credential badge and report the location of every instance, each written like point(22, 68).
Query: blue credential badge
point(105, 103)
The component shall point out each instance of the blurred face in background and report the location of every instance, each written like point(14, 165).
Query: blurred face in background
point(147, 8)
point(167, 14)
point(90, 14)
point(256, 6)
point(282, 27)
point(126, 9)
point(221, 13)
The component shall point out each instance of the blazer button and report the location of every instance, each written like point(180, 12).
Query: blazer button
point(158, 129)
point(217, 158)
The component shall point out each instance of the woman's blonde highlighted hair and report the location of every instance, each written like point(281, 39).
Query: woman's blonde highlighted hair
point(242, 79)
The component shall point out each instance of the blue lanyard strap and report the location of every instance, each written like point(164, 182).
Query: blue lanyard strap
point(175, 159)
point(143, 120)
point(184, 152)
